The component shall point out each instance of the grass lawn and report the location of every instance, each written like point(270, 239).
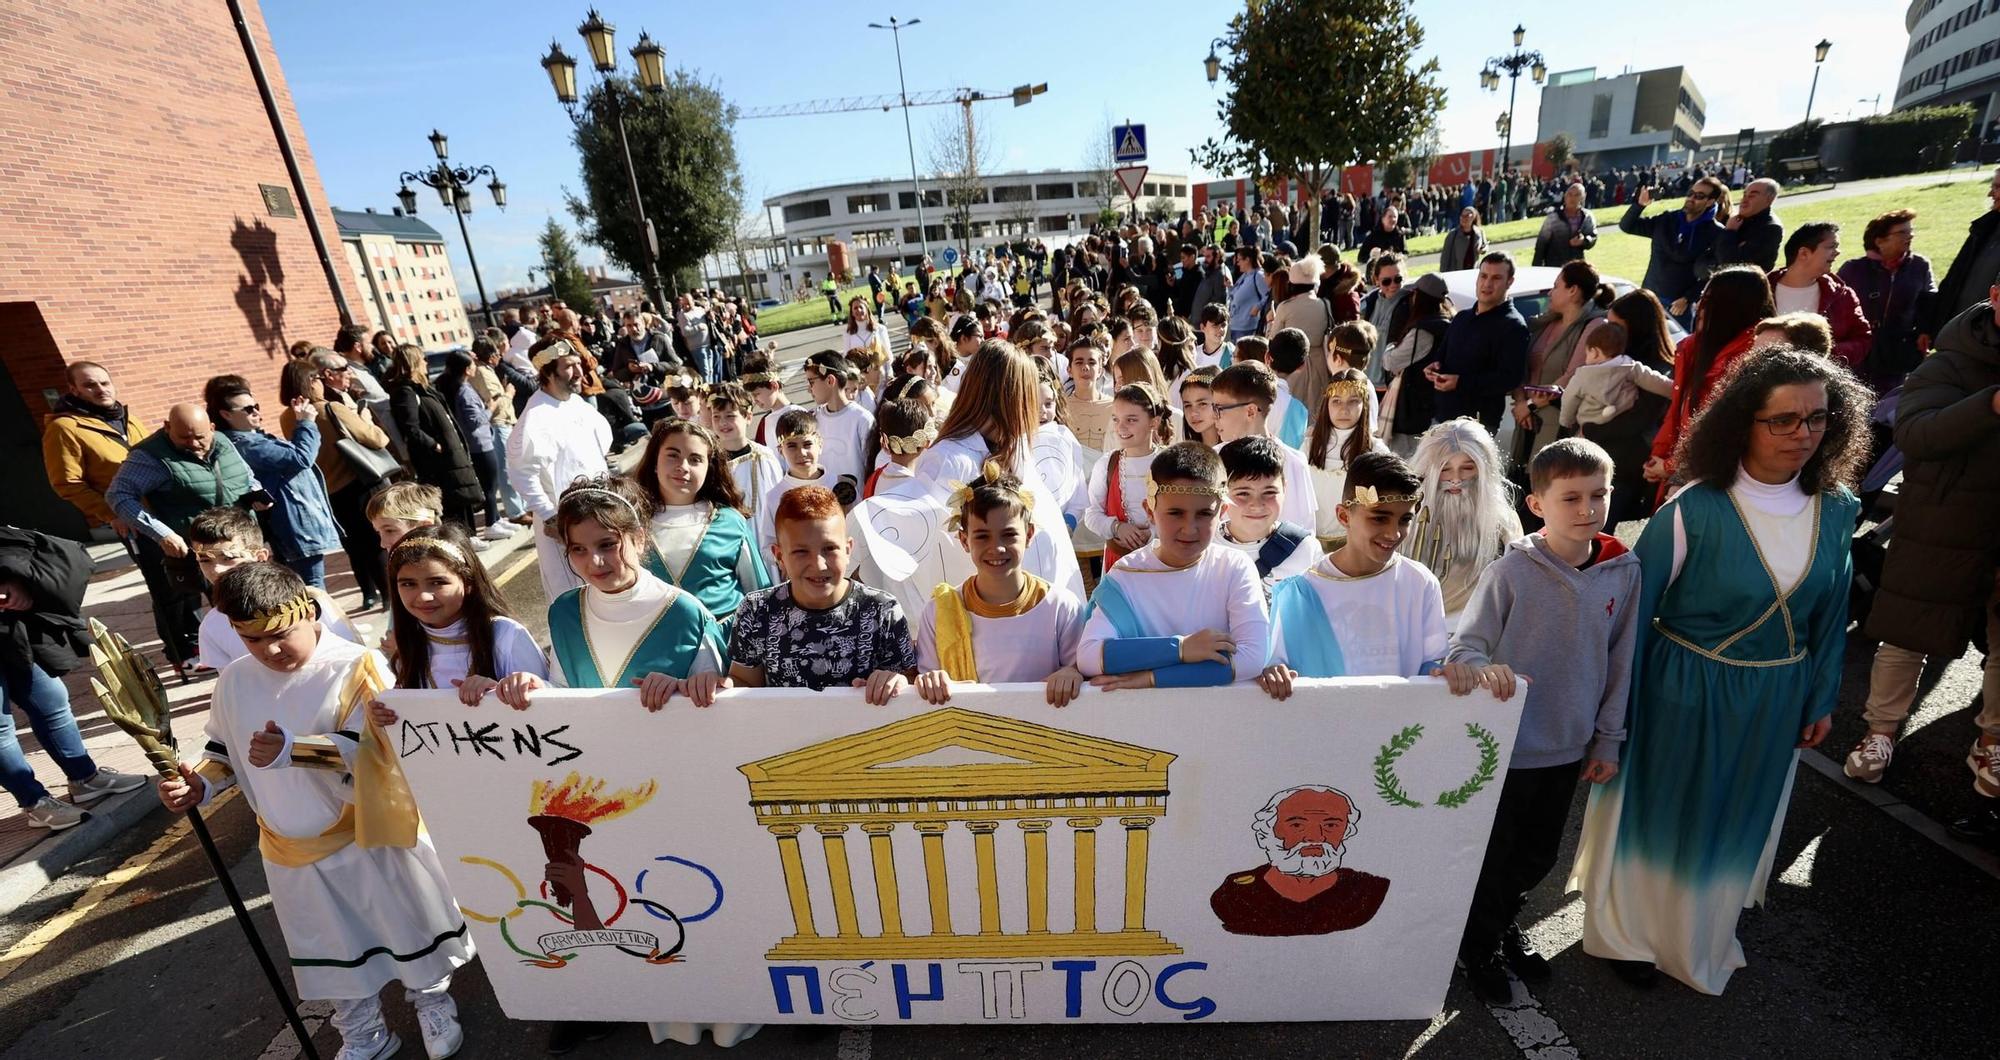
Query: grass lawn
point(1943, 211)
point(792, 316)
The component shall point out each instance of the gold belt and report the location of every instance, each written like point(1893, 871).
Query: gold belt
point(1707, 654)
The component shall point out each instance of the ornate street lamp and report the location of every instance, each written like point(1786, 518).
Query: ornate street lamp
point(1511, 64)
point(454, 187)
point(1213, 64)
point(1819, 58)
point(600, 39)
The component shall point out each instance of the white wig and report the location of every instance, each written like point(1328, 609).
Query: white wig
point(1267, 817)
point(1472, 544)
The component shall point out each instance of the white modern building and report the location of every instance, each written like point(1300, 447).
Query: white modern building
point(877, 221)
point(403, 269)
point(1953, 56)
point(1629, 119)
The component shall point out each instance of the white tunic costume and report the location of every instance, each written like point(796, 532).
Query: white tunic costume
point(1387, 624)
point(953, 462)
point(1219, 591)
point(1026, 647)
point(754, 472)
point(357, 918)
point(514, 652)
point(843, 438)
point(1329, 480)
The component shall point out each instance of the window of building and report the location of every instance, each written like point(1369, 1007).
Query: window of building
point(1059, 223)
point(1600, 116)
point(1087, 189)
point(874, 237)
point(868, 203)
point(1013, 193)
point(934, 233)
point(1180, 191)
point(907, 200)
point(910, 234)
point(806, 211)
point(1055, 191)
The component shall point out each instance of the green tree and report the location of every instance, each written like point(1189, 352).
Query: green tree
point(1318, 84)
point(1560, 149)
point(684, 150)
point(567, 280)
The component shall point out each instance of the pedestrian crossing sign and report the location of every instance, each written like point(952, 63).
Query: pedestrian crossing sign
point(1128, 143)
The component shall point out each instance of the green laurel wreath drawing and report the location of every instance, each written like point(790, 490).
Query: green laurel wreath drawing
point(1390, 787)
point(1386, 783)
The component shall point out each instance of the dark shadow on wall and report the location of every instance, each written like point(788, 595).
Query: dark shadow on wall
point(31, 367)
point(260, 287)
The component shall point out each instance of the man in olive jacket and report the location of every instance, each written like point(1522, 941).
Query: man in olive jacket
point(1938, 579)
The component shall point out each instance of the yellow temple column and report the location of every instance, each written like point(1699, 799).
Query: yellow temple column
point(839, 876)
point(795, 877)
point(989, 875)
point(1085, 832)
point(1138, 835)
point(1035, 836)
point(884, 857)
point(934, 875)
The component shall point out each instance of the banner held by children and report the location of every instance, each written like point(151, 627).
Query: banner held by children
point(788, 855)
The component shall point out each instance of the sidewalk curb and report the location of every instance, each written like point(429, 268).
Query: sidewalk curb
point(47, 861)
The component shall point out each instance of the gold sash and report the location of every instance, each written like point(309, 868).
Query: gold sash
point(383, 813)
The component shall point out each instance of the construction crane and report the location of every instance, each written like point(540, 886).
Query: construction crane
point(964, 97)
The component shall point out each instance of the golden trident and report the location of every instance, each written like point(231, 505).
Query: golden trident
point(1427, 545)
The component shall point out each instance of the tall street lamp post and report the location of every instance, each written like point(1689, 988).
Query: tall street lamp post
point(896, 29)
point(1512, 64)
point(600, 38)
point(454, 185)
point(1819, 59)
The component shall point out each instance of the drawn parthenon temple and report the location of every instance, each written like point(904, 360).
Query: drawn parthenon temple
point(1003, 781)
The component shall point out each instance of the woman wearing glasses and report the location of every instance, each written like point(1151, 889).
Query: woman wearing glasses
point(1741, 634)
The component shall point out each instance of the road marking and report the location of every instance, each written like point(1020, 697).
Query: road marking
point(52, 929)
point(517, 566)
point(284, 1044)
point(1985, 861)
point(856, 1043)
point(1438, 1022)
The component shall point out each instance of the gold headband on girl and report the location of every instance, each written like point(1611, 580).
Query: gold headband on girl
point(613, 494)
point(912, 443)
point(1345, 388)
point(436, 544)
point(297, 609)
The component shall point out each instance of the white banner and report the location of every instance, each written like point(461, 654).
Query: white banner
point(789, 855)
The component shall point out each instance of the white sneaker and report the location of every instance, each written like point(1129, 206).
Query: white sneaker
point(480, 544)
point(103, 782)
point(1870, 758)
point(380, 1046)
point(1985, 762)
point(442, 1035)
point(498, 531)
point(55, 815)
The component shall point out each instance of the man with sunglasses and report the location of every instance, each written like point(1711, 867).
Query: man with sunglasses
point(1681, 239)
point(1381, 306)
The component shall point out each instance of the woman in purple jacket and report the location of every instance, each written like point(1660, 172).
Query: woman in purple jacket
point(1894, 287)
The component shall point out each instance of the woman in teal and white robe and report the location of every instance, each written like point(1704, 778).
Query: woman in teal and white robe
point(710, 551)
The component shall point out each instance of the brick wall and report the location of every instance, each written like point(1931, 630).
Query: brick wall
point(132, 144)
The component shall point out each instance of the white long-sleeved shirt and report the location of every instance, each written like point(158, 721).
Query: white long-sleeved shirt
point(843, 440)
point(554, 442)
point(1132, 472)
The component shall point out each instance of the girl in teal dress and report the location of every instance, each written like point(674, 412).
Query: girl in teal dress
point(623, 627)
point(1742, 629)
point(701, 541)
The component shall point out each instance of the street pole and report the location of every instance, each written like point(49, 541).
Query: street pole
point(485, 306)
point(653, 288)
point(1507, 143)
point(909, 138)
point(1811, 93)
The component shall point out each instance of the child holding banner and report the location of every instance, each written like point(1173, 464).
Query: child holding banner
point(1365, 610)
point(817, 629)
point(1133, 636)
point(450, 625)
point(701, 541)
point(1537, 610)
point(623, 627)
point(359, 893)
point(1003, 624)
point(1116, 511)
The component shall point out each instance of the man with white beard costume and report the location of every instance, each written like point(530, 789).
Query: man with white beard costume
point(1467, 516)
point(1303, 889)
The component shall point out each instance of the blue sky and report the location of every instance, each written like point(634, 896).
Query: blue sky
point(371, 78)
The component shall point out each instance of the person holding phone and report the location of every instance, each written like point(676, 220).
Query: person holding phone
point(292, 492)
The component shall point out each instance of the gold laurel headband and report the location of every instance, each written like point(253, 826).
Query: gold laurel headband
point(438, 544)
point(961, 495)
point(297, 609)
point(614, 494)
point(1345, 388)
point(1367, 497)
point(753, 378)
point(916, 442)
point(1192, 489)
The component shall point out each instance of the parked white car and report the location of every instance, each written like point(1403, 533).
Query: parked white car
point(1530, 292)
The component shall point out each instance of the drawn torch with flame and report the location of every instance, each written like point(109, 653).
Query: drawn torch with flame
point(563, 813)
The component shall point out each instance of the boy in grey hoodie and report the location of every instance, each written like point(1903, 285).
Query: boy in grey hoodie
point(1560, 607)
